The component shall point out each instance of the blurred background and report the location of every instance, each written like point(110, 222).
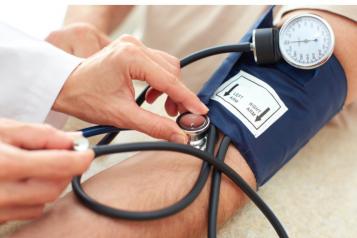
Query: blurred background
point(39, 20)
point(36, 20)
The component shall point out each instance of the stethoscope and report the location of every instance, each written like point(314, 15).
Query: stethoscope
point(268, 48)
point(202, 139)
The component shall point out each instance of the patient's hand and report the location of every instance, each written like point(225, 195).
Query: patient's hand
point(79, 39)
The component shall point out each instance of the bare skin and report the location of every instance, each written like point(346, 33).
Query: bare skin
point(37, 166)
point(152, 180)
point(138, 184)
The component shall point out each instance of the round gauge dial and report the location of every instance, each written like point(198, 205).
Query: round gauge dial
point(306, 41)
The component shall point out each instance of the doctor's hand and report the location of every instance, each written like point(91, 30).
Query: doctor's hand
point(36, 166)
point(79, 39)
point(101, 91)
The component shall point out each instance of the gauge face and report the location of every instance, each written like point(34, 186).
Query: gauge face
point(306, 41)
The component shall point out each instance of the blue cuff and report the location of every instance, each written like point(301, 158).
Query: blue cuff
point(312, 97)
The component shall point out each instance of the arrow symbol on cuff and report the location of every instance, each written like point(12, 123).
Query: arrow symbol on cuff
point(230, 90)
point(259, 117)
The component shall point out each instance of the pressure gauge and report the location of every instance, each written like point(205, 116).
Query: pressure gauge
point(195, 126)
point(306, 41)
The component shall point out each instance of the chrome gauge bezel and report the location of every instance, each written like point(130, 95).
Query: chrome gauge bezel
point(314, 65)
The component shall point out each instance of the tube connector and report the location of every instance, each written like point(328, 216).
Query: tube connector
point(265, 45)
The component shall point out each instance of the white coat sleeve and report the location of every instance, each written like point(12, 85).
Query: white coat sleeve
point(32, 73)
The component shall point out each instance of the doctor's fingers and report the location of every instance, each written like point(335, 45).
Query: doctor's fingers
point(31, 192)
point(33, 136)
point(152, 94)
point(174, 68)
point(166, 61)
point(171, 107)
point(21, 213)
point(148, 70)
point(171, 63)
point(170, 58)
point(17, 163)
point(152, 124)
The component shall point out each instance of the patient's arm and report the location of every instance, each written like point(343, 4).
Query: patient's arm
point(146, 181)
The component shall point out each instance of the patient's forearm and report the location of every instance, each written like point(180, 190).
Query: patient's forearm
point(149, 180)
point(105, 18)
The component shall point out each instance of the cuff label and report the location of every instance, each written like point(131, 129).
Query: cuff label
point(252, 101)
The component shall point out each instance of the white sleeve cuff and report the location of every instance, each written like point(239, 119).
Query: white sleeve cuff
point(32, 73)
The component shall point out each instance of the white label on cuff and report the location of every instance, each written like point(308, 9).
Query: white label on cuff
point(252, 101)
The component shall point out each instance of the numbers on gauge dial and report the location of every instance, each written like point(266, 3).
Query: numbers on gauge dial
point(305, 41)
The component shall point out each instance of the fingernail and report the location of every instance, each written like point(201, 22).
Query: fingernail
point(203, 109)
point(179, 138)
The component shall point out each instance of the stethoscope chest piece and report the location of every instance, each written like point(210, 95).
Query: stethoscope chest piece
point(80, 143)
point(195, 126)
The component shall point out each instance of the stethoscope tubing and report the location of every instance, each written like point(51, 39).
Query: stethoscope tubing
point(103, 148)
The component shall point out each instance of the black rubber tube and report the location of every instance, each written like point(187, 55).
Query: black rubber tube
point(222, 49)
point(215, 190)
point(156, 214)
point(166, 146)
point(207, 157)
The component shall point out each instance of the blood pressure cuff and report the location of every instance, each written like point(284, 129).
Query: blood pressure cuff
point(270, 112)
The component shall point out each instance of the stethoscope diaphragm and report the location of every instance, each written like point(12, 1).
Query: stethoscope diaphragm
point(195, 127)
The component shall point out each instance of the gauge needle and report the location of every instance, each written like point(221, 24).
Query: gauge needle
point(305, 41)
